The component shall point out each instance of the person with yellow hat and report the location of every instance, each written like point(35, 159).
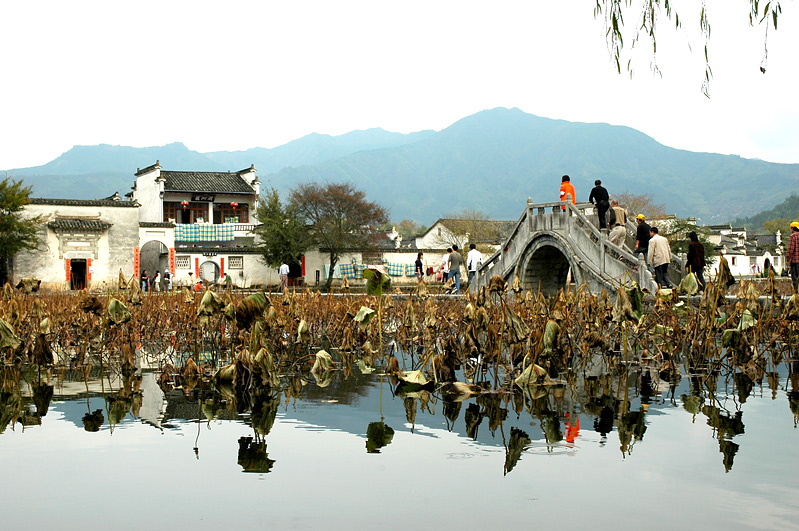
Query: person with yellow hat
point(793, 254)
point(642, 236)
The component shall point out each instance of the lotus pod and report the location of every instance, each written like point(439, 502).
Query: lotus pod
point(118, 313)
point(211, 304)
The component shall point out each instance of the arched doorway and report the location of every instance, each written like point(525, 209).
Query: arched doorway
point(154, 256)
point(209, 271)
point(546, 266)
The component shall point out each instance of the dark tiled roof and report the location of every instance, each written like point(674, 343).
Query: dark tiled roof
point(78, 224)
point(83, 202)
point(206, 182)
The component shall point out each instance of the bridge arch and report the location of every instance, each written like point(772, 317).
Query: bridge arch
point(545, 263)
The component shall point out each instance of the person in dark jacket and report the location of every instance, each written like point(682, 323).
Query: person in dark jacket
point(642, 236)
point(600, 199)
point(696, 258)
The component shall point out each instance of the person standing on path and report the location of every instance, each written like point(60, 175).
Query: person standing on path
point(145, 280)
point(473, 262)
point(566, 190)
point(444, 267)
point(659, 258)
point(793, 254)
point(600, 199)
point(283, 273)
point(618, 222)
point(419, 267)
point(455, 262)
point(642, 236)
point(695, 262)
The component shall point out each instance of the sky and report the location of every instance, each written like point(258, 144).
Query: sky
point(235, 75)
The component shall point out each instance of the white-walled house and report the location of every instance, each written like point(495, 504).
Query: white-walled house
point(746, 256)
point(199, 222)
point(83, 243)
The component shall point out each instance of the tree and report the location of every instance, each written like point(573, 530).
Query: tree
point(677, 234)
point(339, 218)
point(470, 226)
point(639, 204)
point(649, 11)
point(17, 232)
point(781, 225)
point(282, 231)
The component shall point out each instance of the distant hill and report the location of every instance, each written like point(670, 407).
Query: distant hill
point(491, 161)
point(788, 209)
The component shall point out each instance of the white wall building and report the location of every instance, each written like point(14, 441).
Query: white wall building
point(199, 222)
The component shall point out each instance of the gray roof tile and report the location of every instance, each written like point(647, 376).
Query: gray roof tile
point(206, 182)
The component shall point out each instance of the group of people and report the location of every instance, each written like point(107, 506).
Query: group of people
point(649, 242)
point(159, 282)
point(163, 282)
point(450, 267)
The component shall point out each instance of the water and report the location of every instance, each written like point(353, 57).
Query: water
point(171, 467)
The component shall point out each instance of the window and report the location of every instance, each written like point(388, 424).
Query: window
point(191, 214)
point(733, 260)
point(227, 213)
point(181, 262)
point(752, 260)
point(235, 262)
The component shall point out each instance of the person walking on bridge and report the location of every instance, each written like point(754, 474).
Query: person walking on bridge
point(659, 258)
point(618, 222)
point(455, 262)
point(642, 236)
point(696, 258)
point(567, 189)
point(473, 262)
point(599, 198)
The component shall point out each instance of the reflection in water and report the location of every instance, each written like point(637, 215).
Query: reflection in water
point(253, 456)
point(378, 435)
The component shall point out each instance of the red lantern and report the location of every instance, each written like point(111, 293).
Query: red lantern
point(234, 204)
point(184, 204)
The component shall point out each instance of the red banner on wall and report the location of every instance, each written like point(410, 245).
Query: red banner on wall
point(222, 266)
point(172, 261)
point(303, 265)
point(68, 263)
point(88, 270)
point(197, 268)
point(136, 262)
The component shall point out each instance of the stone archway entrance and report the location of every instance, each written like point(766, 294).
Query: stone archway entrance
point(154, 256)
point(209, 272)
point(546, 266)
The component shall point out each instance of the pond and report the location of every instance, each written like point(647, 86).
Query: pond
point(609, 448)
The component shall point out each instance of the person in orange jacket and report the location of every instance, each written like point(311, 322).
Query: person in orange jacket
point(566, 189)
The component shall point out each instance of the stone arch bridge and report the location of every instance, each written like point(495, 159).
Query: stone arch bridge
point(548, 243)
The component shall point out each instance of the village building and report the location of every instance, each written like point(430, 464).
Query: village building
point(83, 243)
point(747, 255)
point(200, 223)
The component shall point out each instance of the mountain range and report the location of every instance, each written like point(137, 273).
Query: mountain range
point(491, 161)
